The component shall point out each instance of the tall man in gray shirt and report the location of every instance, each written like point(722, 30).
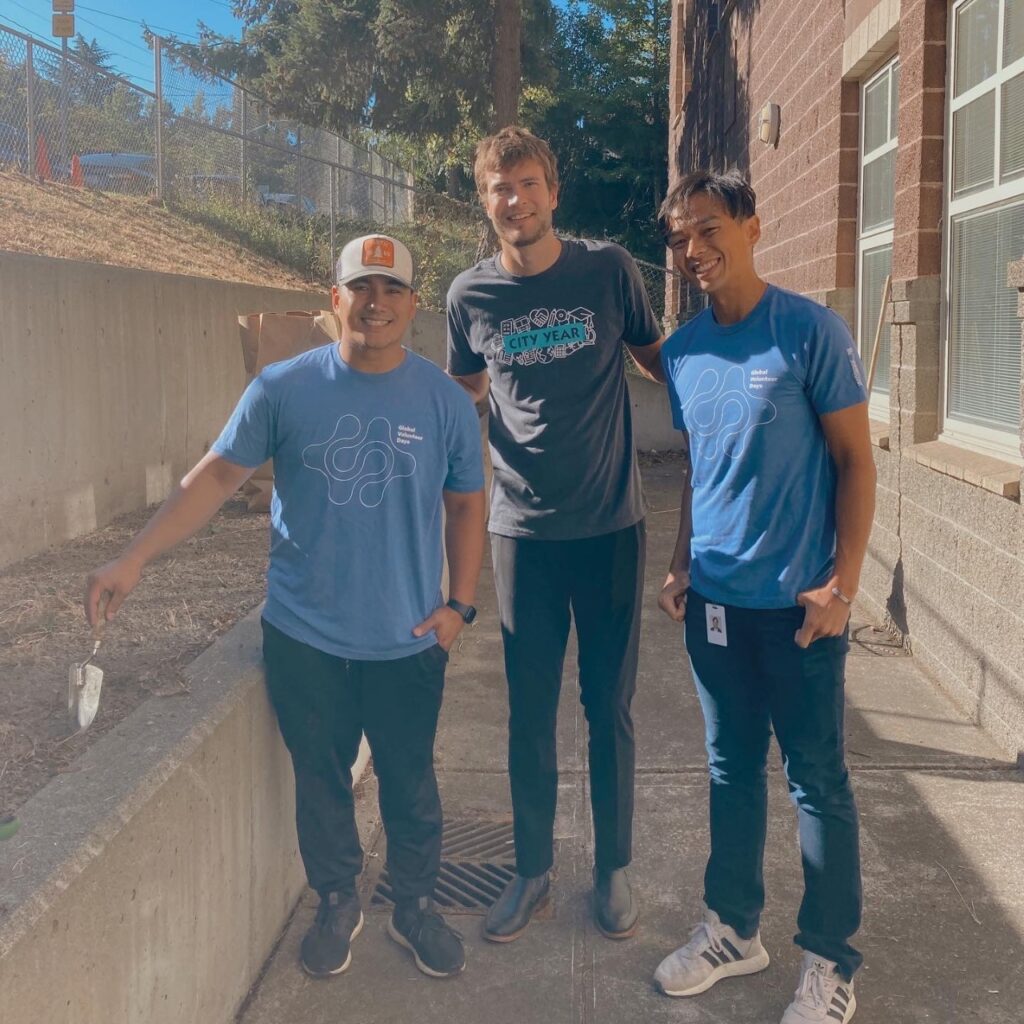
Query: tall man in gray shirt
point(540, 327)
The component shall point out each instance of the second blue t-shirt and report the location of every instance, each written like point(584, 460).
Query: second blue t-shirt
point(764, 485)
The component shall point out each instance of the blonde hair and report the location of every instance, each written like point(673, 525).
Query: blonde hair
point(509, 147)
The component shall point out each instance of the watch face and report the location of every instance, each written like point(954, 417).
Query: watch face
point(467, 611)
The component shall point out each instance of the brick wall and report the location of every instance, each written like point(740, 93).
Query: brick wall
point(945, 565)
point(788, 52)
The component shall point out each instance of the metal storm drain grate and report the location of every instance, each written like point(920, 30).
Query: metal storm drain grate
point(477, 861)
point(876, 642)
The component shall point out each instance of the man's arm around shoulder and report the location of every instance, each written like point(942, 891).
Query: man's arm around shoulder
point(648, 360)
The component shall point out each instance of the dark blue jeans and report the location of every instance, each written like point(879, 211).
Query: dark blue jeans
point(760, 682)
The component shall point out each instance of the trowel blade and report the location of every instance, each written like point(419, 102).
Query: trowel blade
point(84, 685)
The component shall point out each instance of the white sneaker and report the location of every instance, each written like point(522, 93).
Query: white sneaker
point(714, 952)
point(822, 997)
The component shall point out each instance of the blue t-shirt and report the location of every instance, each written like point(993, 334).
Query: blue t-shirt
point(360, 460)
point(764, 485)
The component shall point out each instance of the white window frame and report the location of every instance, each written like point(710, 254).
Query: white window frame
point(1001, 442)
point(874, 238)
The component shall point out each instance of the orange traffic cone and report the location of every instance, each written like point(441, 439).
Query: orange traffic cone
point(77, 177)
point(44, 172)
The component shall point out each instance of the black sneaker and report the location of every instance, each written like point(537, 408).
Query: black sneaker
point(325, 947)
point(436, 947)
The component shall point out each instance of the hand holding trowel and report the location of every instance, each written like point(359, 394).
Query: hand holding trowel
point(86, 679)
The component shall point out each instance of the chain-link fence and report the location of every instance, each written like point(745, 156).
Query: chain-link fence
point(53, 108)
point(220, 154)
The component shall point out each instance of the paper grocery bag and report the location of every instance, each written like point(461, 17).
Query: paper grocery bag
point(269, 338)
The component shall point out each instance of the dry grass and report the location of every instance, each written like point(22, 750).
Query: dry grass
point(186, 600)
point(81, 224)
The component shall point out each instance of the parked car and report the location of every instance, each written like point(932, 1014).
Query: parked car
point(119, 172)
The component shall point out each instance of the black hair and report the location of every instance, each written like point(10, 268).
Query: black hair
point(730, 188)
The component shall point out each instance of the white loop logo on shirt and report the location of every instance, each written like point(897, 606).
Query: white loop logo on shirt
point(723, 410)
point(360, 463)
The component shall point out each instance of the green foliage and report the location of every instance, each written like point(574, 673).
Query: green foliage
point(608, 119)
point(413, 78)
point(442, 238)
point(416, 68)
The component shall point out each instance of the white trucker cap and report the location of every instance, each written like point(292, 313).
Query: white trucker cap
point(375, 254)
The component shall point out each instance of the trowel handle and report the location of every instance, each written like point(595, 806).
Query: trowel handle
point(101, 621)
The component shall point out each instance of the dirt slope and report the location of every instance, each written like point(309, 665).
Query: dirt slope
point(81, 224)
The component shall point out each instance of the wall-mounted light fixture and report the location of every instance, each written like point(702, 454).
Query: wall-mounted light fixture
point(768, 126)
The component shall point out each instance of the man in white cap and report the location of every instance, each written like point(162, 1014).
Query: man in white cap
point(370, 442)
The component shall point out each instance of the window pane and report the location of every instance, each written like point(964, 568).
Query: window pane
point(1013, 32)
point(977, 28)
point(974, 143)
point(878, 191)
point(984, 344)
point(876, 114)
point(1011, 156)
point(875, 266)
point(894, 100)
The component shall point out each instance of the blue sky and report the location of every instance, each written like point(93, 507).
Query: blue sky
point(117, 25)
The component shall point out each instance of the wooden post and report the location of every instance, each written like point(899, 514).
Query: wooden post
point(886, 292)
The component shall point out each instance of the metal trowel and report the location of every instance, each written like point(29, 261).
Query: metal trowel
point(85, 680)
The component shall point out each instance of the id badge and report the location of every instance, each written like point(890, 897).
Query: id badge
point(717, 633)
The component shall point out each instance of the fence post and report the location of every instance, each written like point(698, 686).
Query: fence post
point(30, 109)
point(298, 167)
point(334, 194)
point(159, 84)
point(243, 123)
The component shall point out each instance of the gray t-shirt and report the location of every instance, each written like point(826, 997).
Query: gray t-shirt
point(561, 434)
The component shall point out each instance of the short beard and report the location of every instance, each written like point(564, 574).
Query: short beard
point(524, 242)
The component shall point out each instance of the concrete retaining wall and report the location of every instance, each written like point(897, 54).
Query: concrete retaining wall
point(652, 418)
point(112, 383)
point(150, 884)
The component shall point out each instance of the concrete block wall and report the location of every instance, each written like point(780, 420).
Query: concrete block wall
point(945, 567)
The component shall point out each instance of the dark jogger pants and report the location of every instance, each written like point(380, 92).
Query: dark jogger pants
point(540, 584)
point(323, 705)
point(760, 682)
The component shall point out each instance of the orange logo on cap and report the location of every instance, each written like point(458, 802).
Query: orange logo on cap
point(378, 252)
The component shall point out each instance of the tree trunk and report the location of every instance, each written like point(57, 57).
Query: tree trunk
point(508, 31)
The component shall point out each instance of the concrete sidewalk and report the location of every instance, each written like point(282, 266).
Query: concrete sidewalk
point(942, 813)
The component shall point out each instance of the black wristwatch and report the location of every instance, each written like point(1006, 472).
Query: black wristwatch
point(467, 611)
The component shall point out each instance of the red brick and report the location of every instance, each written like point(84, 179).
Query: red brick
point(922, 113)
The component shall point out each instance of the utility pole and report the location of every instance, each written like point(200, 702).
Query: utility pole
point(64, 28)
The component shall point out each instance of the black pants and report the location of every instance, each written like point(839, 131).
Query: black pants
point(323, 705)
point(599, 582)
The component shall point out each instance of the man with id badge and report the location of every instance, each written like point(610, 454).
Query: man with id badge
point(777, 505)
